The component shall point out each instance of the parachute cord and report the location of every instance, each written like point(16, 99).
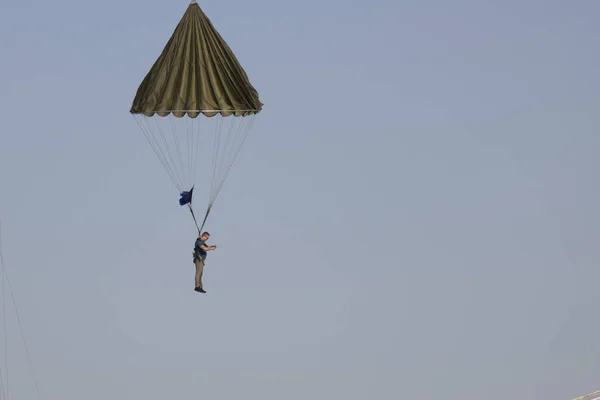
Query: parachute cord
point(205, 217)
point(193, 216)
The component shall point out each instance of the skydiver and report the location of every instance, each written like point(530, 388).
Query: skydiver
point(200, 249)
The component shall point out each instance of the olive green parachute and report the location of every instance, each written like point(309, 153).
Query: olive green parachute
point(196, 72)
point(196, 86)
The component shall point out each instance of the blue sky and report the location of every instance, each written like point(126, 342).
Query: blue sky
point(414, 213)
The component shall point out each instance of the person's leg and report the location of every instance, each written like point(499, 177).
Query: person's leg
point(199, 269)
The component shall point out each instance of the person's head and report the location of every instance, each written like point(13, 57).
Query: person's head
point(204, 237)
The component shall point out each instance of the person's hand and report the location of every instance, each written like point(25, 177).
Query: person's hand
point(214, 246)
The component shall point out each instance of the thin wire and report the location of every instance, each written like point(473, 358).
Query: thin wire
point(5, 275)
point(233, 161)
point(29, 358)
point(228, 139)
point(176, 139)
point(239, 139)
point(217, 142)
point(238, 142)
point(158, 153)
point(195, 159)
point(162, 135)
point(2, 393)
point(190, 145)
point(2, 273)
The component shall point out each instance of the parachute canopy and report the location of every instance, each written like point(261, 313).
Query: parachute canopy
point(196, 75)
point(196, 72)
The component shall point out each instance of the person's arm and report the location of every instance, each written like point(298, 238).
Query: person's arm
point(207, 248)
